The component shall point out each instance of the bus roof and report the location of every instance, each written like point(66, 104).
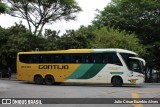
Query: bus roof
point(117, 50)
point(82, 51)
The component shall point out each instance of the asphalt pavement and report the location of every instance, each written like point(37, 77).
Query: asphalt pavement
point(19, 89)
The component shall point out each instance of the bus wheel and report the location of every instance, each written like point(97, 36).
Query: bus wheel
point(117, 81)
point(49, 80)
point(38, 79)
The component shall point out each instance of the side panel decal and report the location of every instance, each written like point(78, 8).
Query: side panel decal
point(95, 69)
point(80, 71)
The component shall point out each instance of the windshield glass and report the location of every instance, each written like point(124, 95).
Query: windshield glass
point(136, 65)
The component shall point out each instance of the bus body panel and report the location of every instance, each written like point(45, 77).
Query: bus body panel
point(78, 72)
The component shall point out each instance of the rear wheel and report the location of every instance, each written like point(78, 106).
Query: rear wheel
point(117, 81)
point(49, 80)
point(38, 79)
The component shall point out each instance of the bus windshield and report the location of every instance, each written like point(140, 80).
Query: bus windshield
point(136, 65)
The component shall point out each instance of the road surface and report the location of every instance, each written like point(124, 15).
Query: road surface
point(19, 89)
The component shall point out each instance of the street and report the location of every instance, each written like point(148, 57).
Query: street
point(20, 89)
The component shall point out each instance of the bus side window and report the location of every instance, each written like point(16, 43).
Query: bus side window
point(105, 59)
point(116, 60)
point(97, 58)
point(24, 58)
point(110, 58)
point(62, 59)
point(88, 58)
point(113, 59)
point(76, 59)
point(65, 59)
point(56, 59)
point(44, 58)
point(35, 59)
point(51, 58)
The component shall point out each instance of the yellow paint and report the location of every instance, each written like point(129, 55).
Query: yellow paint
point(135, 95)
point(114, 68)
point(60, 75)
point(59, 51)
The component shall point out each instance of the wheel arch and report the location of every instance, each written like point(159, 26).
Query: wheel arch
point(37, 75)
point(116, 76)
point(49, 75)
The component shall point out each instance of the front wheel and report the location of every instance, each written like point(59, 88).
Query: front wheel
point(117, 81)
point(49, 80)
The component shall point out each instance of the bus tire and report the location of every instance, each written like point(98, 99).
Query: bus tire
point(38, 79)
point(49, 80)
point(117, 81)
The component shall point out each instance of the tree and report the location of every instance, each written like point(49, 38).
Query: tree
point(74, 39)
point(51, 35)
point(107, 37)
point(141, 17)
point(52, 38)
point(3, 7)
point(18, 39)
point(41, 12)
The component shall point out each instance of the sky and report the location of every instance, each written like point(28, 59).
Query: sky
point(83, 18)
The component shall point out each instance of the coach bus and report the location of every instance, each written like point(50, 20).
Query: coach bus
point(107, 66)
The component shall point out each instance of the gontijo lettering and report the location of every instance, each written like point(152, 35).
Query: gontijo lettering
point(53, 67)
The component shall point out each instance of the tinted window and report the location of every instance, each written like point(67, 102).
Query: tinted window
point(24, 58)
point(88, 58)
point(77, 58)
point(45, 58)
point(111, 58)
point(97, 58)
point(126, 56)
point(59, 58)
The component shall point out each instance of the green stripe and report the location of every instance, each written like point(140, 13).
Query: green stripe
point(80, 71)
point(116, 73)
point(93, 71)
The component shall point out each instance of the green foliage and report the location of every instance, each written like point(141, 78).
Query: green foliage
point(73, 39)
point(132, 22)
point(18, 39)
point(41, 12)
point(107, 37)
point(52, 38)
point(152, 56)
point(3, 7)
point(141, 17)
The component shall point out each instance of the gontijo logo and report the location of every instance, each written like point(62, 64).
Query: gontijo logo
point(53, 67)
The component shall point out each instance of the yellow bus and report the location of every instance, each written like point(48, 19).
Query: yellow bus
point(108, 66)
